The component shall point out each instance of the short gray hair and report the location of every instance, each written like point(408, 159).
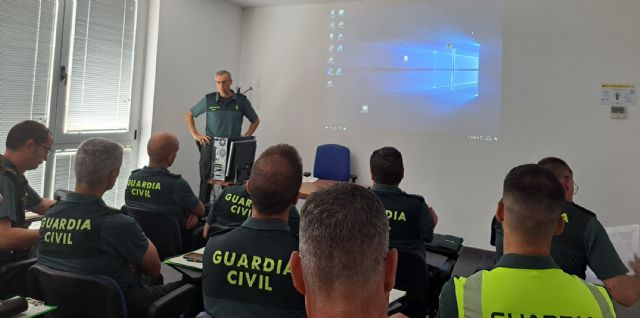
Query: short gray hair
point(344, 238)
point(223, 72)
point(95, 159)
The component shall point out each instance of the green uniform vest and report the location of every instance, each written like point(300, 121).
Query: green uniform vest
point(530, 293)
point(251, 266)
point(403, 210)
point(19, 198)
point(230, 123)
point(233, 207)
point(153, 191)
point(73, 233)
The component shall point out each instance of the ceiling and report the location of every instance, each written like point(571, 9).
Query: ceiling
point(262, 3)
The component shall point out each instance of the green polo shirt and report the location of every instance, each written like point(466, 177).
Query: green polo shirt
point(233, 207)
point(246, 272)
point(448, 301)
point(584, 242)
point(159, 191)
point(409, 219)
point(17, 193)
point(81, 234)
point(224, 116)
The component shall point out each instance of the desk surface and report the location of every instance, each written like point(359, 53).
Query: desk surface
point(309, 187)
point(306, 189)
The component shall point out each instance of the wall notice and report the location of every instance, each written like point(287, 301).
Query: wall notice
point(618, 95)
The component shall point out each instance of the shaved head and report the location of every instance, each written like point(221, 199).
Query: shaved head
point(162, 146)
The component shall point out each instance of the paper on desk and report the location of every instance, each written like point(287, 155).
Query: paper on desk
point(309, 179)
point(181, 261)
point(626, 240)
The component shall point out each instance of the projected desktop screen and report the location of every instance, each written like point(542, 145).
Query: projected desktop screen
point(422, 66)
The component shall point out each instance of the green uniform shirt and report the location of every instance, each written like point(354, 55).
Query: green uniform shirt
point(224, 117)
point(17, 193)
point(246, 272)
point(81, 234)
point(448, 298)
point(410, 223)
point(233, 207)
point(584, 242)
point(159, 191)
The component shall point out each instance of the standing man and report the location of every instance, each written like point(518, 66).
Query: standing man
point(526, 281)
point(584, 242)
point(28, 144)
point(246, 270)
point(156, 190)
point(224, 113)
point(344, 267)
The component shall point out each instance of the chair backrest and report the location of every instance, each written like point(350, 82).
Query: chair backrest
point(76, 295)
point(164, 231)
point(333, 162)
point(412, 277)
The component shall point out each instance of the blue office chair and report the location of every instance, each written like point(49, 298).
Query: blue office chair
point(333, 162)
point(163, 231)
point(81, 295)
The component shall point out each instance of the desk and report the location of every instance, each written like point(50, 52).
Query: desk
point(309, 187)
point(306, 189)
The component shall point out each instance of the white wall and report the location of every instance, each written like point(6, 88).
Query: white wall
point(196, 38)
point(555, 56)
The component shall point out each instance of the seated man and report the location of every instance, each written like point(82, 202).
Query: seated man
point(233, 207)
point(28, 144)
point(526, 281)
point(410, 218)
point(156, 190)
point(584, 242)
point(246, 270)
point(344, 267)
point(81, 234)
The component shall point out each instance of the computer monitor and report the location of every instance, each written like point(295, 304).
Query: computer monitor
point(240, 160)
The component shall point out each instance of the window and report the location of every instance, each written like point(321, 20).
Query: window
point(70, 65)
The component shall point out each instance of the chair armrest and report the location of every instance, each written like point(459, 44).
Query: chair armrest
point(25, 263)
point(397, 306)
point(176, 303)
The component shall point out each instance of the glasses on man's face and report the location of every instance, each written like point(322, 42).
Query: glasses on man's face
point(47, 148)
point(575, 185)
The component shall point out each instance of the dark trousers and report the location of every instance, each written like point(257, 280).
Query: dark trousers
point(206, 158)
point(13, 272)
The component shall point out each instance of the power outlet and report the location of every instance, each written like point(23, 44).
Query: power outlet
point(618, 112)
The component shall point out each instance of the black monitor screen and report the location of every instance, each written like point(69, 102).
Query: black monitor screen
point(241, 156)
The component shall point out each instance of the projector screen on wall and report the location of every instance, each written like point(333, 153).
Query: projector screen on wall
point(417, 66)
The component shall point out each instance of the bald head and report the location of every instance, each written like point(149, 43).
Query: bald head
point(162, 149)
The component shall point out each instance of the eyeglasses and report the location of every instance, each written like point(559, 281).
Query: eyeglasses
point(47, 148)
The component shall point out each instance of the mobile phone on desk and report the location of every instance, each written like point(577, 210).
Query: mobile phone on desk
point(193, 257)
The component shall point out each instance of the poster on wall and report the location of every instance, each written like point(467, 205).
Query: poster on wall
point(618, 95)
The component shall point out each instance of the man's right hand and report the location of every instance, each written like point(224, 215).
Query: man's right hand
point(202, 139)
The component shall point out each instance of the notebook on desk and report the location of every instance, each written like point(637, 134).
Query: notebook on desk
point(181, 261)
point(32, 216)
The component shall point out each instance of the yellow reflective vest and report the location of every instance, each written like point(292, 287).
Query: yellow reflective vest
point(530, 293)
